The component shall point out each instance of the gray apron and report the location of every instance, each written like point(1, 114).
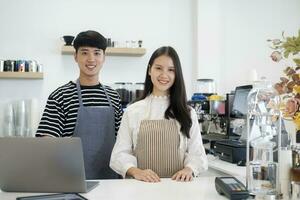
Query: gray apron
point(95, 126)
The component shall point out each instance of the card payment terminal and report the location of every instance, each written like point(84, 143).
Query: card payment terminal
point(231, 187)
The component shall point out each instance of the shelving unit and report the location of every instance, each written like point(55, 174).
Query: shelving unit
point(110, 51)
point(22, 75)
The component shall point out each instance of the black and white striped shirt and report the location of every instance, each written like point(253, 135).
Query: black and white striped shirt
point(60, 114)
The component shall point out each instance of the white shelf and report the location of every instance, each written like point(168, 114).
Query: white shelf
point(22, 75)
point(110, 51)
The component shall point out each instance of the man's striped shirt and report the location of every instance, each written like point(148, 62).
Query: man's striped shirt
point(60, 114)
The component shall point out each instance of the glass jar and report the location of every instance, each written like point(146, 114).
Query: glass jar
point(263, 137)
point(206, 87)
point(295, 170)
point(129, 87)
point(139, 90)
point(124, 92)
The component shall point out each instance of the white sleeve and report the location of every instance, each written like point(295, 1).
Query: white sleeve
point(195, 156)
point(122, 157)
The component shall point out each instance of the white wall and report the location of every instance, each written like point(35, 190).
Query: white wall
point(217, 39)
point(232, 38)
point(31, 29)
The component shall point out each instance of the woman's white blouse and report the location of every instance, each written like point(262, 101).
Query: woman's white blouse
point(153, 108)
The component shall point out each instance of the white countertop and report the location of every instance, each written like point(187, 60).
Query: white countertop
point(130, 189)
point(226, 167)
point(200, 188)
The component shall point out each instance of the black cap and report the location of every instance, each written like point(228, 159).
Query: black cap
point(90, 39)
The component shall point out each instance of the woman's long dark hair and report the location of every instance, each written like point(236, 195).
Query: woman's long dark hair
point(178, 108)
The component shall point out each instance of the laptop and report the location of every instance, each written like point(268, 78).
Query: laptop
point(43, 165)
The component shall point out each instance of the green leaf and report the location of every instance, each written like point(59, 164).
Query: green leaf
point(291, 41)
point(291, 49)
point(297, 61)
point(297, 41)
point(286, 53)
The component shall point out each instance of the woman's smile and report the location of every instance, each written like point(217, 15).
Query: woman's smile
point(163, 81)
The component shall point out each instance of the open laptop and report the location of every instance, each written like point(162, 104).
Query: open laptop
point(43, 165)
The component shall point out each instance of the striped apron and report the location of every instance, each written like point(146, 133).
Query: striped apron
point(158, 147)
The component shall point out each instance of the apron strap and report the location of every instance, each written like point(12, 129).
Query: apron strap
point(108, 98)
point(79, 93)
point(80, 96)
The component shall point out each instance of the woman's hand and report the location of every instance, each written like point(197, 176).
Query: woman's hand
point(146, 175)
point(186, 174)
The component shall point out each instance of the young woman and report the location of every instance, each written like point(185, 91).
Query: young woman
point(159, 135)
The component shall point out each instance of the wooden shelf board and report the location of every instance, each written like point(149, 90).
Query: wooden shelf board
point(110, 51)
point(22, 75)
point(67, 50)
point(125, 51)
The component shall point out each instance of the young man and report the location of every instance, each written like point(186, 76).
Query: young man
point(86, 108)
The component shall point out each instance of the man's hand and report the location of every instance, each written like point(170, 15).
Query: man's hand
point(146, 175)
point(186, 174)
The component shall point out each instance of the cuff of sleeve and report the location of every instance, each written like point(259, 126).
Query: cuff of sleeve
point(44, 134)
point(125, 169)
point(194, 169)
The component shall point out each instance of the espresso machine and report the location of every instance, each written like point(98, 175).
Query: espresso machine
point(210, 109)
point(200, 102)
point(201, 105)
point(217, 121)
